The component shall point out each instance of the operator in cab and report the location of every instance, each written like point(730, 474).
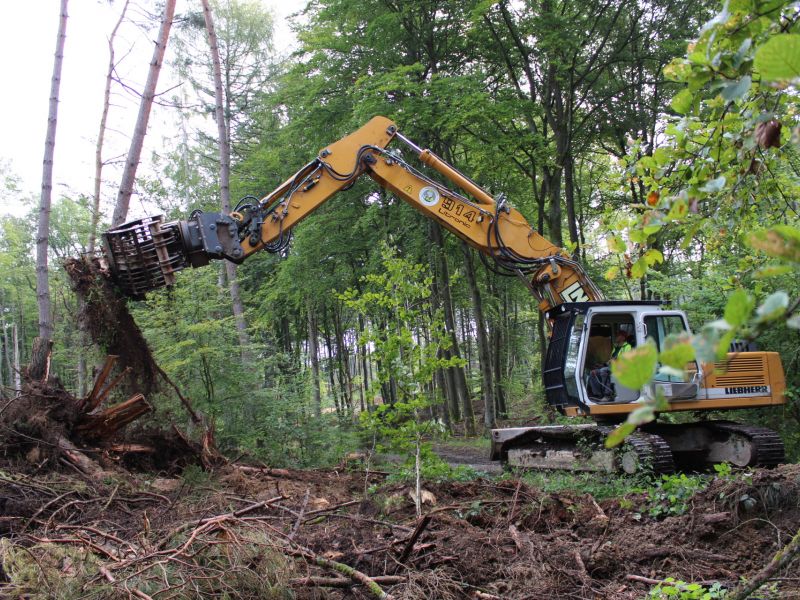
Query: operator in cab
point(599, 383)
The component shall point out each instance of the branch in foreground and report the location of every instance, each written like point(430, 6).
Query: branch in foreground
point(355, 575)
point(782, 559)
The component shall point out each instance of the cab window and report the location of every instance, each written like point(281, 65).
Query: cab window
point(658, 328)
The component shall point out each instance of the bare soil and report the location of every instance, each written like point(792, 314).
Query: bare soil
point(256, 533)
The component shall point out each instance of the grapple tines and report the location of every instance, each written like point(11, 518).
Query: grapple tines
point(145, 254)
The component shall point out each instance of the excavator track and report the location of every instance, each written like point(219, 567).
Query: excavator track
point(581, 448)
point(767, 448)
point(701, 444)
point(646, 450)
point(660, 448)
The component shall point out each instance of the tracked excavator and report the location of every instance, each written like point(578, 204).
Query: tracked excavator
point(146, 254)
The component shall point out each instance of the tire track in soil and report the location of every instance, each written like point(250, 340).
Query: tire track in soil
point(476, 458)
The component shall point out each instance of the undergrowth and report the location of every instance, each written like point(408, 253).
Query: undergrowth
point(680, 590)
point(607, 486)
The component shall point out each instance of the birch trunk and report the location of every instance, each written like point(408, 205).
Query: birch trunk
point(43, 234)
point(222, 117)
point(149, 94)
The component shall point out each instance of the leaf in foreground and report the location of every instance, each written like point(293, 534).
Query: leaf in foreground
point(635, 368)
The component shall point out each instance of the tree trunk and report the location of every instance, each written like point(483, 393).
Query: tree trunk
point(98, 152)
point(224, 142)
point(8, 379)
point(362, 350)
point(43, 233)
point(343, 360)
point(442, 408)
point(497, 339)
point(451, 389)
point(148, 95)
point(41, 356)
point(569, 196)
point(450, 405)
point(17, 363)
point(313, 352)
point(326, 328)
point(554, 218)
point(459, 378)
point(484, 354)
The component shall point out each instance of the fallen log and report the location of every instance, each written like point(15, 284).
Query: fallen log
point(125, 448)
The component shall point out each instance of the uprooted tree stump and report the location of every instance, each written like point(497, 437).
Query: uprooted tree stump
point(46, 424)
point(104, 315)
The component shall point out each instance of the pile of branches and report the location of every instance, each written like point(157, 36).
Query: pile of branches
point(256, 533)
point(103, 541)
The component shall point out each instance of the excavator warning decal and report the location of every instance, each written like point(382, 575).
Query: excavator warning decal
point(574, 293)
point(429, 196)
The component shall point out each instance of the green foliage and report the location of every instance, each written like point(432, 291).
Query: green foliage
point(195, 476)
point(778, 59)
point(636, 367)
point(672, 495)
point(725, 184)
point(408, 349)
point(610, 486)
point(674, 589)
point(433, 468)
point(678, 352)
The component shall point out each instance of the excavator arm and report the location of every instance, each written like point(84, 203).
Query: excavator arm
point(145, 254)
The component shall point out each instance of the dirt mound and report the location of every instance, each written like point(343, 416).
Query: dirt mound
point(105, 315)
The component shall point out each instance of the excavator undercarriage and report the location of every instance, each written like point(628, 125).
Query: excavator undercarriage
point(656, 447)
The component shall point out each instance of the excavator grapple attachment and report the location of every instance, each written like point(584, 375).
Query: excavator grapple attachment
point(145, 254)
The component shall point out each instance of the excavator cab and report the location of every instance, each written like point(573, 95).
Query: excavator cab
point(583, 337)
point(586, 336)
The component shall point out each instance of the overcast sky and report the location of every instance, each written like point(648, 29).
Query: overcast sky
point(27, 43)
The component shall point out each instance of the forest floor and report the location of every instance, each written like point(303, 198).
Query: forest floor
point(247, 532)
